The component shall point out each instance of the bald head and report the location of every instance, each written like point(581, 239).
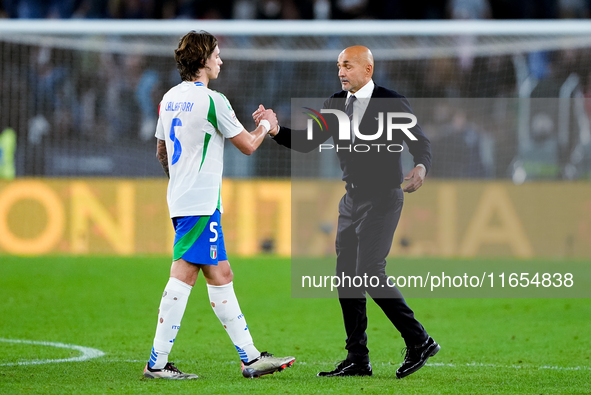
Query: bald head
point(358, 53)
point(355, 67)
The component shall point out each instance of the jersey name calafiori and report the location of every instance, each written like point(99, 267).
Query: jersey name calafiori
point(194, 122)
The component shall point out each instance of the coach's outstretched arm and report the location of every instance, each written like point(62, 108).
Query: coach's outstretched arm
point(298, 140)
point(247, 142)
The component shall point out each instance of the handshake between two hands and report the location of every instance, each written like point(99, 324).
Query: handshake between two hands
point(262, 113)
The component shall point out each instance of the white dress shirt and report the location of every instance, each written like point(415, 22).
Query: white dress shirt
point(363, 96)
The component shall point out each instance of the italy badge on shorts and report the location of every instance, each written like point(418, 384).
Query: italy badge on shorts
point(199, 239)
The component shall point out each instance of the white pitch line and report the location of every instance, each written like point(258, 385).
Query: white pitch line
point(87, 352)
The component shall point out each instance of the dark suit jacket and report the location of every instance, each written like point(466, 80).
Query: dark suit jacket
point(373, 169)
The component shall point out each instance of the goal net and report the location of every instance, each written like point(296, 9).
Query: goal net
point(497, 99)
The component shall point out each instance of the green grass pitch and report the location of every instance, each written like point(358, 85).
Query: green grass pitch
point(489, 346)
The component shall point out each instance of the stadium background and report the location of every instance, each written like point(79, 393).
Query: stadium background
point(503, 102)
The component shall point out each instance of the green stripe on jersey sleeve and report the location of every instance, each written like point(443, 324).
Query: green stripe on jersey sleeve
point(225, 100)
point(185, 242)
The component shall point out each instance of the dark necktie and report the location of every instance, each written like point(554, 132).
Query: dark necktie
point(349, 112)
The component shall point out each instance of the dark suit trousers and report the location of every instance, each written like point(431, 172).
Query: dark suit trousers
point(367, 221)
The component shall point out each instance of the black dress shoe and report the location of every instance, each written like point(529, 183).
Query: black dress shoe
point(416, 357)
point(348, 368)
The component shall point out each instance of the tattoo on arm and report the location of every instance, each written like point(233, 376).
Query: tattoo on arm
point(162, 156)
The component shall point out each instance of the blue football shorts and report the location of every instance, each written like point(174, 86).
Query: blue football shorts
point(199, 239)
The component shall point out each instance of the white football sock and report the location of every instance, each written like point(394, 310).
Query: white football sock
point(225, 306)
point(172, 307)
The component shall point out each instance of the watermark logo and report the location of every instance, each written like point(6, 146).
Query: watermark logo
point(345, 130)
point(315, 115)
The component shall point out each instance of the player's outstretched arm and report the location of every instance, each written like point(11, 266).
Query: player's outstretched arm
point(247, 142)
point(162, 155)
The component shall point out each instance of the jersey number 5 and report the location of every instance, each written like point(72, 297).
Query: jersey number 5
point(212, 226)
point(176, 153)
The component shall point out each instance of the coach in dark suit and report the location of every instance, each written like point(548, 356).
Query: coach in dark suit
point(370, 210)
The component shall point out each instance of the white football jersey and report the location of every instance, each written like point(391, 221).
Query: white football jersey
point(194, 122)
